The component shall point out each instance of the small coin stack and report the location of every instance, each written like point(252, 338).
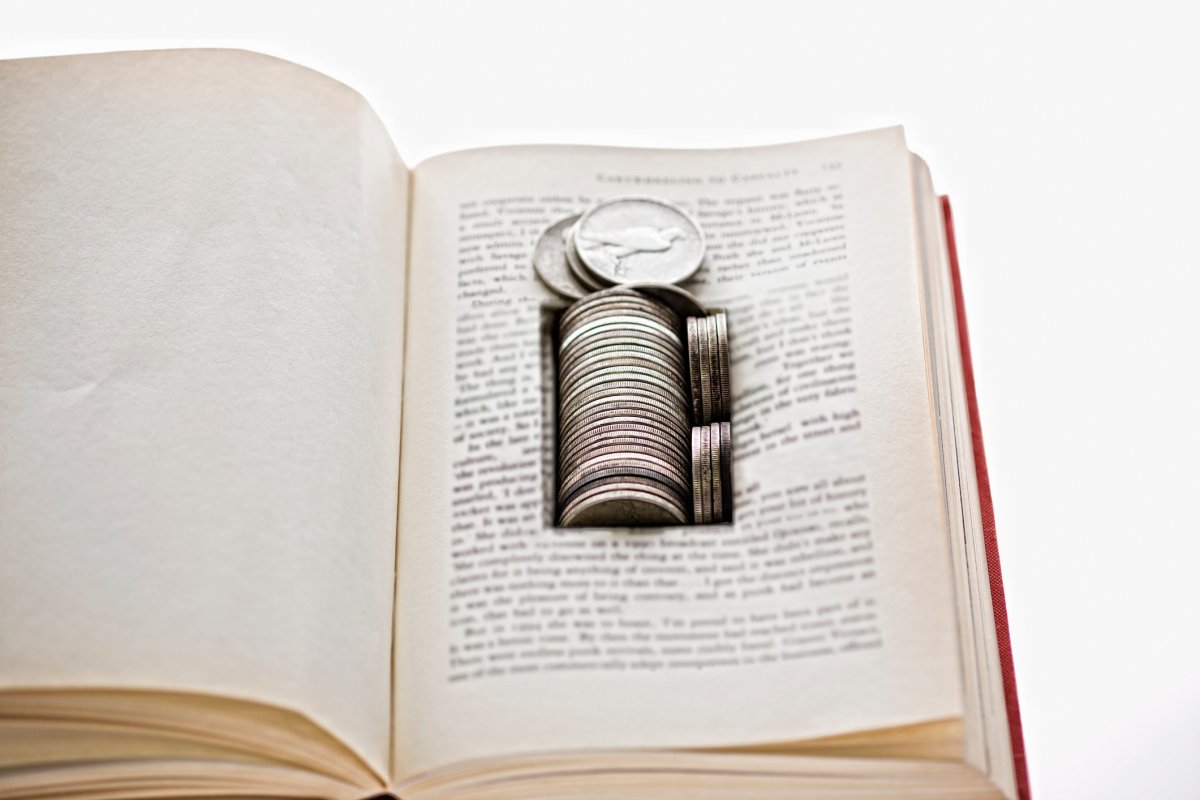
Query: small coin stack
point(640, 362)
point(708, 362)
point(708, 369)
point(712, 466)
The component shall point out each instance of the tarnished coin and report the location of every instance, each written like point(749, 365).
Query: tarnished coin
point(624, 508)
point(631, 239)
point(550, 260)
point(575, 265)
point(697, 488)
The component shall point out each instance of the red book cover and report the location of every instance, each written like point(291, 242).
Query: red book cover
point(989, 523)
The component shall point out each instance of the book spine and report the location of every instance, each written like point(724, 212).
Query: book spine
point(987, 513)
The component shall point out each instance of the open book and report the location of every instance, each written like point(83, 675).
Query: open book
point(276, 467)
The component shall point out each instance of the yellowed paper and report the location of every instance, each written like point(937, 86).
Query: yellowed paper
point(826, 608)
point(201, 312)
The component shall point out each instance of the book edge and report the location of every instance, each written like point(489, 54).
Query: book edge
point(987, 514)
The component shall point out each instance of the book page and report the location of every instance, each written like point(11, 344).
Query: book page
point(826, 607)
point(201, 311)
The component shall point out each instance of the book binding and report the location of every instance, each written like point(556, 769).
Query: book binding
point(987, 513)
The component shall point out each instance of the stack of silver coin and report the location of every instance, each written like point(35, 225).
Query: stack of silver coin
point(708, 369)
point(640, 362)
point(712, 466)
point(623, 413)
point(708, 361)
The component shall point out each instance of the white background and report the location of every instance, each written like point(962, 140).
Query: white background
point(1068, 139)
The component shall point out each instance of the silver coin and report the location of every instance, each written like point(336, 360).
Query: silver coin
point(723, 359)
point(681, 301)
point(630, 446)
point(620, 322)
point(651, 480)
point(706, 473)
point(602, 303)
point(587, 407)
point(631, 239)
point(727, 469)
point(590, 362)
point(613, 375)
point(706, 397)
point(714, 450)
point(623, 376)
point(597, 341)
point(718, 405)
point(589, 483)
point(624, 508)
point(697, 507)
point(614, 435)
point(610, 483)
point(621, 464)
point(575, 265)
point(634, 401)
point(606, 329)
point(622, 348)
point(600, 297)
point(693, 344)
point(622, 388)
point(622, 315)
point(652, 485)
point(639, 456)
point(621, 307)
point(615, 334)
point(550, 260)
point(639, 399)
point(622, 424)
point(619, 378)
